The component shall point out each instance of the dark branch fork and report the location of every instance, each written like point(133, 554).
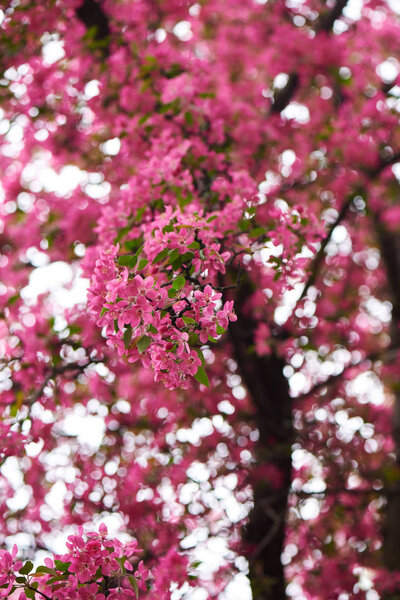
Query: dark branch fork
point(91, 14)
point(59, 371)
point(391, 490)
point(387, 354)
point(324, 23)
point(319, 257)
point(327, 19)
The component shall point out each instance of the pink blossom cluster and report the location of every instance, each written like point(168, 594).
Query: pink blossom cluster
point(195, 164)
point(159, 305)
point(188, 233)
point(94, 566)
point(8, 569)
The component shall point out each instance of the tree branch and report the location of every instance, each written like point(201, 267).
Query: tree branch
point(371, 174)
point(325, 23)
point(327, 19)
point(320, 256)
point(283, 96)
point(39, 592)
point(269, 536)
point(92, 15)
point(58, 371)
point(383, 491)
point(388, 354)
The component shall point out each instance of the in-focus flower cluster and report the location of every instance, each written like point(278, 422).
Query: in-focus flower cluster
point(160, 304)
point(8, 569)
point(94, 566)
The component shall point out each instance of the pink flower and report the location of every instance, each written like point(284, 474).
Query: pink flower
point(121, 594)
point(8, 569)
point(226, 314)
point(142, 575)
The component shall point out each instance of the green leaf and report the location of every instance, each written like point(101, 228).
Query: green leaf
point(127, 336)
point(201, 377)
point(20, 579)
point(183, 201)
point(144, 119)
point(27, 568)
point(196, 564)
point(152, 329)
point(177, 263)
point(133, 245)
point(14, 409)
point(160, 256)
point(178, 283)
point(173, 106)
point(173, 256)
point(171, 293)
point(257, 232)
point(187, 257)
point(30, 593)
point(116, 328)
point(142, 263)
point(193, 339)
point(201, 356)
point(220, 330)
point(189, 320)
point(134, 584)
point(207, 95)
point(74, 329)
point(127, 260)
point(168, 229)
point(58, 578)
point(43, 569)
point(143, 343)
point(104, 310)
point(174, 70)
point(194, 245)
point(122, 232)
point(244, 224)
point(188, 118)
point(62, 566)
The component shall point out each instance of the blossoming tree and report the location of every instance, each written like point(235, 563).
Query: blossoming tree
point(224, 177)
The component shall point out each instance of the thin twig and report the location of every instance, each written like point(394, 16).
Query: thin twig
point(374, 356)
point(383, 491)
point(39, 592)
point(58, 371)
point(269, 536)
point(319, 257)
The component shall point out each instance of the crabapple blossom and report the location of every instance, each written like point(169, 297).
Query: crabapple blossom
point(89, 569)
point(199, 299)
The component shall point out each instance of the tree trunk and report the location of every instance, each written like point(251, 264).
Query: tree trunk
point(390, 251)
point(269, 393)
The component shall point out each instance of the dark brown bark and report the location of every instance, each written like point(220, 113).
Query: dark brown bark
point(268, 390)
point(283, 96)
point(390, 251)
point(92, 15)
point(325, 23)
point(327, 19)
